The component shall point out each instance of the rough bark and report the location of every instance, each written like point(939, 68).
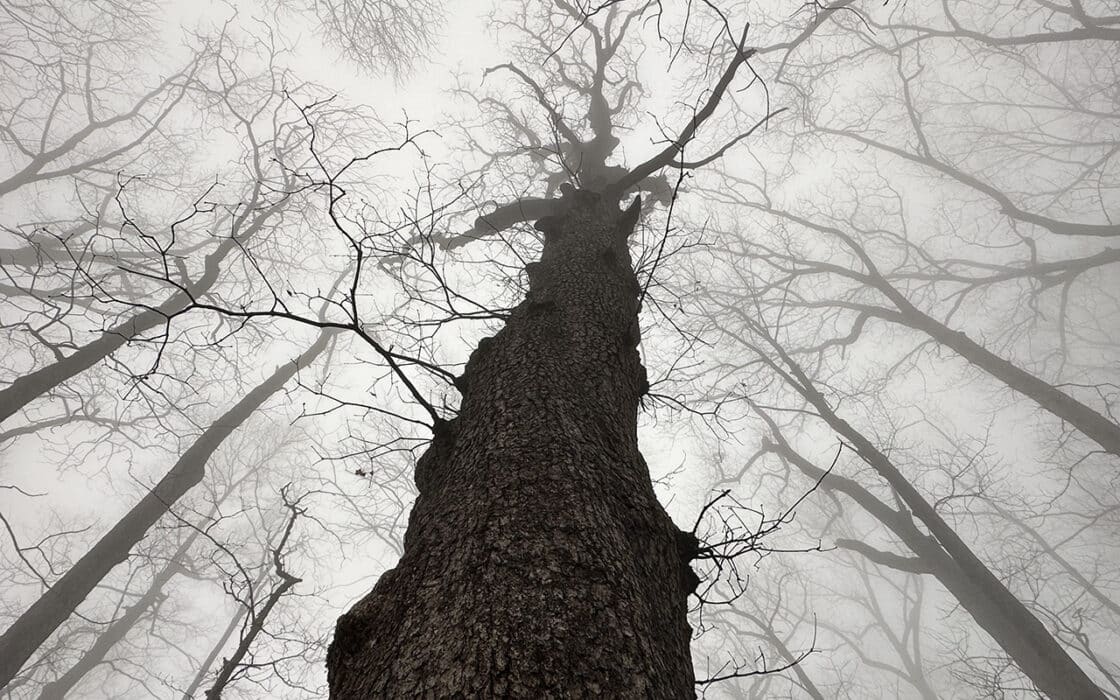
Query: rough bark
point(538, 561)
point(59, 601)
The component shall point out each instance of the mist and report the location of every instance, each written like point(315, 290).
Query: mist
point(368, 348)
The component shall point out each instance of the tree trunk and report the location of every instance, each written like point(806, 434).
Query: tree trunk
point(1025, 639)
point(119, 628)
point(29, 387)
point(1096, 426)
point(538, 561)
point(258, 618)
point(767, 630)
point(234, 623)
point(1093, 424)
point(116, 630)
point(60, 600)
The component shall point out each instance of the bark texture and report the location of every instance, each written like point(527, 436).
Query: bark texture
point(538, 561)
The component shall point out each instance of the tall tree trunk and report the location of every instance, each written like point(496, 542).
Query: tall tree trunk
point(37, 383)
point(258, 618)
point(234, 623)
point(1084, 418)
point(1025, 639)
point(1092, 423)
point(767, 630)
point(116, 630)
point(59, 601)
point(538, 561)
point(119, 628)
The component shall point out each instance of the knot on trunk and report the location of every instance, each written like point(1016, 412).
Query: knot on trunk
point(688, 548)
point(461, 383)
point(350, 634)
point(477, 354)
point(629, 219)
point(571, 199)
point(632, 336)
point(429, 468)
point(540, 282)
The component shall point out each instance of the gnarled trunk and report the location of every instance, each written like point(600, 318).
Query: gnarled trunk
point(538, 561)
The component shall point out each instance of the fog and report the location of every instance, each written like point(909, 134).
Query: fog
point(265, 264)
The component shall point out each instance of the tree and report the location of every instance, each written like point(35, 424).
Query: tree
point(549, 403)
point(379, 35)
point(565, 419)
point(873, 297)
point(60, 600)
point(259, 616)
point(748, 239)
point(119, 628)
point(499, 591)
point(103, 268)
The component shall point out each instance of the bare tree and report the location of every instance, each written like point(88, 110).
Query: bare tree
point(886, 225)
point(259, 612)
point(59, 601)
point(387, 36)
point(133, 614)
point(549, 403)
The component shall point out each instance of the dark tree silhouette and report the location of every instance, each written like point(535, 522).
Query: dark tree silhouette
point(259, 611)
point(500, 591)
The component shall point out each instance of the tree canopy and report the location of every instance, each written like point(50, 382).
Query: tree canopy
point(252, 252)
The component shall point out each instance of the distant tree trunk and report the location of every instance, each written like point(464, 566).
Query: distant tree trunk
point(767, 630)
point(31, 386)
point(234, 622)
point(538, 561)
point(116, 630)
point(119, 628)
point(945, 555)
point(1104, 431)
point(230, 665)
point(59, 601)
point(259, 617)
point(1093, 424)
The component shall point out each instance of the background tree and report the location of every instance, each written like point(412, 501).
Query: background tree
point(912, 250)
